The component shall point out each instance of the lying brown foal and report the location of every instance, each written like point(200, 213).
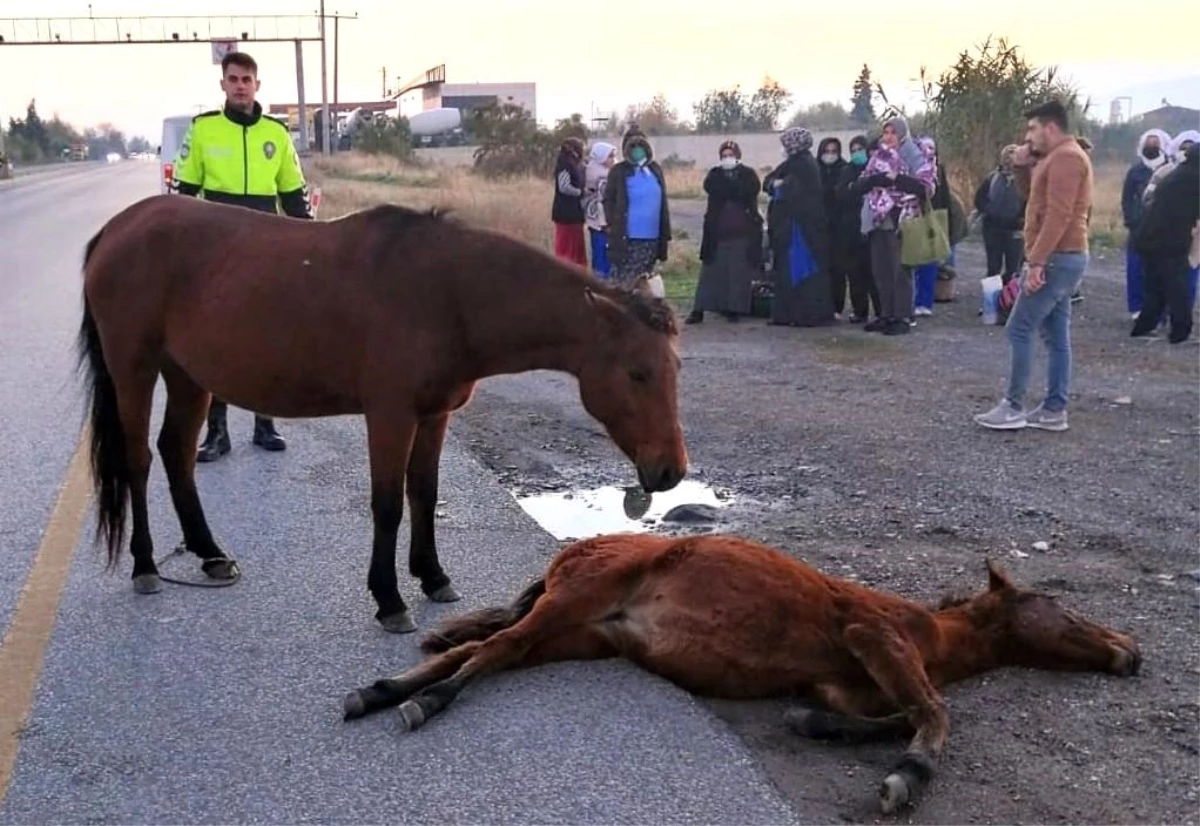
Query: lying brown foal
point(725, 617)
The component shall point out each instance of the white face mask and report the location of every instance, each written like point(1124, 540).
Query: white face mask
point(829, 158)
point(729, 163)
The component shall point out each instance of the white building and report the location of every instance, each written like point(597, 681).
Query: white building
point(469, 96)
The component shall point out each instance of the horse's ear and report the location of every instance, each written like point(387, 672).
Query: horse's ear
point(603, 305)
point(997, 577)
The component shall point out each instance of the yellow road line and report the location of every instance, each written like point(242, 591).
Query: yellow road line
point(25, 644)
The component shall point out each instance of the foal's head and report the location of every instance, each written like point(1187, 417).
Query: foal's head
point(1032, 629)
point(628, 379)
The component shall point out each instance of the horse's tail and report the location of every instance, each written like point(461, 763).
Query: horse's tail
point(481, 624)
point(110, 467)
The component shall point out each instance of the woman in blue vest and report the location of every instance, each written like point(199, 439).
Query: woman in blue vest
point(635, 205)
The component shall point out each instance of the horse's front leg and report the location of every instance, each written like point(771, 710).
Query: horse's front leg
point(896, 665)
point(389, 440)
point(422, 486)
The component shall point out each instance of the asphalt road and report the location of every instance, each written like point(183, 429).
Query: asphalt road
point(200, 705)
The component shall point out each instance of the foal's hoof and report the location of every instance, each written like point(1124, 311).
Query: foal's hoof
point(446, 594)
point(354, 706)
point(893, 793)
point(412, 714)
point(398, 623)
point(147, 584)
point(221, 568)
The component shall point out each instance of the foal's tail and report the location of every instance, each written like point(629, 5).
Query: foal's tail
point(481, 624)
point(110, 467)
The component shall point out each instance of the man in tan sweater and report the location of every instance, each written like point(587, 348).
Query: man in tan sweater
point(1055, 174)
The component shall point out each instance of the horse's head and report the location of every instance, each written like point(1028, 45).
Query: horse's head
point(628, 379)
point(1033, 630)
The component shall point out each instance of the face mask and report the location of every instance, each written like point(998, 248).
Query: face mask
point(729, 163)
point(1151, 152)
point(829, 159)
point(637, 155)
point(859, 157)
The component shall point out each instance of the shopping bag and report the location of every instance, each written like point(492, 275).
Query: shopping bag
point(926, 238)
point(800, 257)
point(656, 287)
point(990, 304)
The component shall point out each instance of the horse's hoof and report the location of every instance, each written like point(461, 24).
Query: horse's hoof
point(893, 793)
point(446, 594)
point(354, 706)
point(147, 584)
point(412, 714)
point(398, 623)
point(221, 568)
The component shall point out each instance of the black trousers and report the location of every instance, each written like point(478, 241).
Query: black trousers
point(1165, 285)
point(1005, 251)
point(863, 293)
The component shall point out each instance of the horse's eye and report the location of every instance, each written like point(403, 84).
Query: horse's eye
point(639, 376)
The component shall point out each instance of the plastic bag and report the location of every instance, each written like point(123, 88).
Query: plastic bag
point(990, 303)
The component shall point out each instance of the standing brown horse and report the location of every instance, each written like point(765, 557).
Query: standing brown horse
point(388, 312)
point(726, 617)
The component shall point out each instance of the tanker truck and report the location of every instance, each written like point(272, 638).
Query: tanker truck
point(437, 127)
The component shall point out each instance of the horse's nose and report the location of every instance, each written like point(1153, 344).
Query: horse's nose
point(657, 478)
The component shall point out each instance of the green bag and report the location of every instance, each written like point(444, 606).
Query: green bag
point(926, 238)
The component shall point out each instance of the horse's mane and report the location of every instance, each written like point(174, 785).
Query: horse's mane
point(393, 221)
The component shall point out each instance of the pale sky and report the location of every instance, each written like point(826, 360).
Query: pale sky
point(585, 55)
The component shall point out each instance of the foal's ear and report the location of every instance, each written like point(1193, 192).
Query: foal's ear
point(604, 306)
point(997, 577)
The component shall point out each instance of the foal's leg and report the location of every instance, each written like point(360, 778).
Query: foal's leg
point(857, 714)
point(135, 393)
point(896, 665)
point(422, 484)
point(390, 437)
point(393, 691)
point(550, 632)
point(187, 405)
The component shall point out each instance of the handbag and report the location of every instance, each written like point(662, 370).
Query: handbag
point(926, 238)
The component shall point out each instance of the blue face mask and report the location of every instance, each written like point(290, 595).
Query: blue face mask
point(637, 154)
point(858, 157)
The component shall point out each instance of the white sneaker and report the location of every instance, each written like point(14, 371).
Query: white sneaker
point(925, 311)
point(1043, 419)
point(1004, 416)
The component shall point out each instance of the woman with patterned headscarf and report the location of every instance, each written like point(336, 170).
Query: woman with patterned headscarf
point(567, 209)
point(896, 179)
point(798, 230)
point(731, 246)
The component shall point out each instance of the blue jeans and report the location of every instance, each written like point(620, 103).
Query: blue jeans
point(1048, 311)
point(600, 263)
point(924, 278)
point(1134, 279)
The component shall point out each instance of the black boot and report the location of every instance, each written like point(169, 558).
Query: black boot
point(265, 435)
point(216, 442)
point(695, 317)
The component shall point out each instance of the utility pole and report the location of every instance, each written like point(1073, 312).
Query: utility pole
point(325, 149)
point(336, 18)
point(383, 73)
point(302, 110)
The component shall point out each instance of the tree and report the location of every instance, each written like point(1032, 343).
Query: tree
point(862, 109)
point(823, 115)
point(977, 106)
point(720, 110)
point(657, 117)
point(768, 103)
point(572, 127)
point(139, 144)
point(382, 135)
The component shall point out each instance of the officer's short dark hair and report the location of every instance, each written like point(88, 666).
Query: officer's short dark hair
point(238, 59)
point(1052, 111)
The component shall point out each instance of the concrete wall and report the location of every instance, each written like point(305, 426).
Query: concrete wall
point(758, 150)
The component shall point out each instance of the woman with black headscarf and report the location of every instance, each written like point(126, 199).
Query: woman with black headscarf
point(798, 229)
point(567, 209)
point(831, 163)
point(731, 246)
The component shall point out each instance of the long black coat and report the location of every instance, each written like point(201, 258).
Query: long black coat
point(803, 202)
point(741, 186)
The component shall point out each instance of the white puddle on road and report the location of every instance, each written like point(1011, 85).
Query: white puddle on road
point(581, 514)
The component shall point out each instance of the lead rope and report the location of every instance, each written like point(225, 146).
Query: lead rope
point(180, 550)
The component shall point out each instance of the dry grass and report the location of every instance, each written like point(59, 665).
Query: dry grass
point(1108, 225)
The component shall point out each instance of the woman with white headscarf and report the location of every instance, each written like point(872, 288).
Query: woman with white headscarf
point(1175, 155)
point(798, 229)
point(1153, 148)
point(601, 158)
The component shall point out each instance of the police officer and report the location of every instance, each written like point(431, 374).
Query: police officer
point(236, 155)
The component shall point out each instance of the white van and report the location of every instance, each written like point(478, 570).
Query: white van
point(174, 130)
